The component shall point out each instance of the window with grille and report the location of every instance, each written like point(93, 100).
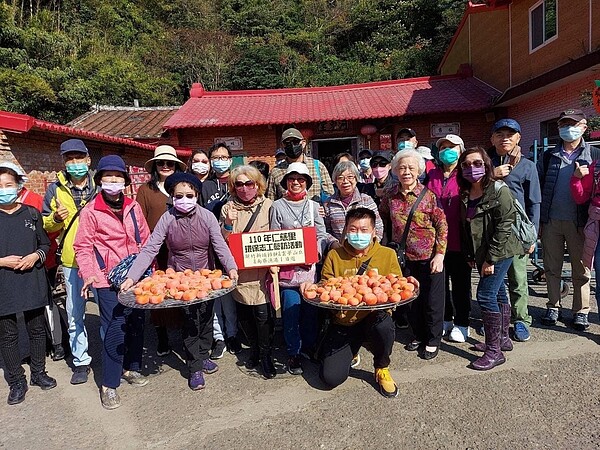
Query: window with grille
point(543, 25)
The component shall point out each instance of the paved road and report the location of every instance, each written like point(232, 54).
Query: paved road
point(547, 395)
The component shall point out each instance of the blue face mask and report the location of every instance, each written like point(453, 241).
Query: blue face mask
point(8, 195)
point(365, 163)
point(405, 145)
point(77, 170)
point(220, 166)
point(570, 133)
point(359, 241)
point(449, 156)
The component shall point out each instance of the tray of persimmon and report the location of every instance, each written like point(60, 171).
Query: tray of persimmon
point(170, 289)
point(370, 291)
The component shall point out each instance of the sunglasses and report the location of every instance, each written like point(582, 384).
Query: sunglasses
point(379, 164)
point(300, 180)
point(477, 163)
point(161, 163)
point(292, 141)
point(180, 196)
point(241, 184)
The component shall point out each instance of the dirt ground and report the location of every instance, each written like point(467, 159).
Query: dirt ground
point(545, 396)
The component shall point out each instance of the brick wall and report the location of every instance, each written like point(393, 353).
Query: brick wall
point(548, 105)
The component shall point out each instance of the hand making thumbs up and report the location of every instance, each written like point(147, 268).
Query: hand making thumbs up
point(61, 212)
point(581, 171)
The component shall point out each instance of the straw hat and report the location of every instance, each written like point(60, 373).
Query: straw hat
point(164, 153)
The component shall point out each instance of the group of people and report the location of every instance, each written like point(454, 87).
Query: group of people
point(397, 213)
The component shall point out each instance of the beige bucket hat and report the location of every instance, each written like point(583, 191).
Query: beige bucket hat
point(164, 153)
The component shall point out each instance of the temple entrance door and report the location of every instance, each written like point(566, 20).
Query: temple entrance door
point(325, 150)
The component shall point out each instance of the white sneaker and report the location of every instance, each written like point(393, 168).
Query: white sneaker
point(447, 327)
point(459, 334)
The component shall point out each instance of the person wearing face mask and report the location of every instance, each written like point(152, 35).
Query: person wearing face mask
point(487, 215)
point(199, 164)
point(107, 234)
point(254, 311)
point(214, 189)
point(191, 233)
point(294, 146)
point(297, 210)
point(381, 166)
point(406, 139)
point(23, 287)
point(72, 190)
point(280, 157)
point(360, 250)
point(364, 165)
point(153, 199)
point(425, 248)
point(562, 219)
point(442, 182)
point(520, 174)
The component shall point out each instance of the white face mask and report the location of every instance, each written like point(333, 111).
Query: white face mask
point(113, 188)
point(200, 168)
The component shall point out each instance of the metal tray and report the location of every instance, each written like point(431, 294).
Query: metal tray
point(360, 307)
point(128, 299)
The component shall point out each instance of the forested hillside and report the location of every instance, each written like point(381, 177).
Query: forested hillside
point(59, 57)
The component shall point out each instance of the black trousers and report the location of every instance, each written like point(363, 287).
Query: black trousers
point(256, 322)
point(343, 342)
point(197, 333)
point(458, 300)
point(9, 344)
point(426, 315)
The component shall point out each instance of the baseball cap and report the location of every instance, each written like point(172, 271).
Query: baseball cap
point(425, 152)
point(291, 133)
point(453, 139)
point(366, 153)
point(73, 145)
point(381, 156)
point(507, 123)
point(574, 114)
point(279, 151)
point(408, 131)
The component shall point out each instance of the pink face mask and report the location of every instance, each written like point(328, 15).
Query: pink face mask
point(184, 205)
point(246, 194)
point(380, 172)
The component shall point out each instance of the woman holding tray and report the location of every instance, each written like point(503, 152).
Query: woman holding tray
point(189, 231)
point(248, 210)
point(109, 227)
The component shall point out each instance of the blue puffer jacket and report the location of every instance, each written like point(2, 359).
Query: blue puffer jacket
point(548, 167)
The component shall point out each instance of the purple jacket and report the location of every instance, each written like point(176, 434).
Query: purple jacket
point(189, 239)
point(448, 195)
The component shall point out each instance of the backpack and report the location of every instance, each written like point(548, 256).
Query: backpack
point(523, 228)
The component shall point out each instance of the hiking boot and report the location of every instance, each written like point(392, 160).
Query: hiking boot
point(267, 367)
point(219, 350)
point(58, 352)
point(110, 398)
point(134, 378)
point(551, 317)
point(387, 386)
point(233, 345)
point(458, 334)
point(43, 380)
point(294, 365)
point(580, 322)
point(196, 381)
point(521, 332)
point(355, 361)
point(80, 374)
point(17, 392)
point(209, 366)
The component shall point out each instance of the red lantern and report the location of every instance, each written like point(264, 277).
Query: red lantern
point(308, 133)
point(368, 130)
point(596, 96)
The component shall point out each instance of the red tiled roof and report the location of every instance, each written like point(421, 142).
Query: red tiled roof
point(413, 96)
point(125, 122)
point(21, 123)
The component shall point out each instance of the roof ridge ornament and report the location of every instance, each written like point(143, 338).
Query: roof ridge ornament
point(197, 90)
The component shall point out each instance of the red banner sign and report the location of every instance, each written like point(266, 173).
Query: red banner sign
point(274, 248)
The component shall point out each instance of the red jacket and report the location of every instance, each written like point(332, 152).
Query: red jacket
point(100, 228)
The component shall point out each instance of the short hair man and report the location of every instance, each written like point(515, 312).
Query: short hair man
point(406, 139)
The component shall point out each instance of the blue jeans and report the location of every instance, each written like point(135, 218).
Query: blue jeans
point(491, 290)
point(225, 318)
point(300, 324)
point(78, 338)
point(123, 337)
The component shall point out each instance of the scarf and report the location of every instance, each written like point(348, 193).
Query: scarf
point(295, 197)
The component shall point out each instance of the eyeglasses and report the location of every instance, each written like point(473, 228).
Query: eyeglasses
point(241, 184)
point(477, 163)
point(219, 158)
point(161, 163)
point(300, 180)
point(342, 178)
point(180, 196)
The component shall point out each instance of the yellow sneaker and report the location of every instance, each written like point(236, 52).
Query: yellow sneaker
point(387, 386)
